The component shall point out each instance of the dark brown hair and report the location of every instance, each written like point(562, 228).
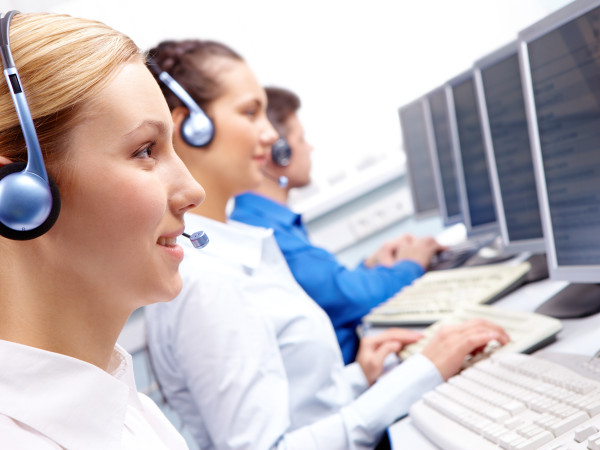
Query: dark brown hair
point(281, 103)
point(190, 63)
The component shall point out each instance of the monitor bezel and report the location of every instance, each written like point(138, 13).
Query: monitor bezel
point(509, 245)
point(411, 180)
point(487, 228)
point(576, 274)
point(447, 220)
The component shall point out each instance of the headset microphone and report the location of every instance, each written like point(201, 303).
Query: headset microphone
point(199, 239)
point(282, 181)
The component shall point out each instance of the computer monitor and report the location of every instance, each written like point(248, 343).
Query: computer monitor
point(474, 186)
point(508, 151)
point(437, 122)
point(560, 61)
point(418, 158)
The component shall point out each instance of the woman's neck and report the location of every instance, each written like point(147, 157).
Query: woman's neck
point(214, 206)
point(47, 310)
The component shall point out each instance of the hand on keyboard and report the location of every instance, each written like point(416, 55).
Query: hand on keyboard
point(527, 331)
point(451, 257)
point(451, 344)
point(374, 349)
point(420, 250)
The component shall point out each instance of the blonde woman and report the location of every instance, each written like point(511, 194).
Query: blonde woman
point(105, 132)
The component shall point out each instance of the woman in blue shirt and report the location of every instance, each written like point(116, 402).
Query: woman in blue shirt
point(345, 294)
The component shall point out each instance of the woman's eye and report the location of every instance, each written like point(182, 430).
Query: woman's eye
point(145, 152)
point(251, 113)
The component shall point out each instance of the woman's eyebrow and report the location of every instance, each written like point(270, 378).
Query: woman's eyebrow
point(158, 124)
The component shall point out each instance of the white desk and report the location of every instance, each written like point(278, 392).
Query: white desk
point(580, 336)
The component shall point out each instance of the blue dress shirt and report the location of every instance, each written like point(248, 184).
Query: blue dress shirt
point(346, 295)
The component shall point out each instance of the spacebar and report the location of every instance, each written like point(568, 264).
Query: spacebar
point(445, 432)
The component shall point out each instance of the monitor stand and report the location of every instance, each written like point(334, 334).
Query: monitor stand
point(489, 254)
point(574, 301)
point(539, 267)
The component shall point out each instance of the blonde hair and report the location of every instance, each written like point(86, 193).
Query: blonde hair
point(63, 62)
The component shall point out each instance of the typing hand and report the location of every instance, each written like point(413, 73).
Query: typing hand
point(386, 255)
point(374, 349)
point(419, 250)
point(449, 347)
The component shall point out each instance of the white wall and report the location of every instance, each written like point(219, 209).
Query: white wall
point(353, 63)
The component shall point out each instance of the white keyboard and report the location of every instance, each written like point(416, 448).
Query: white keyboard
point(516, 402)
point(527, 331)
point(437, 294)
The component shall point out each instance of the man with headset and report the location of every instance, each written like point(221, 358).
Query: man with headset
point(345, 294)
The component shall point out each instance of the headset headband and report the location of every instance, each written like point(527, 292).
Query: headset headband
point(35, 160)
point(174, 86)
point(29, 198)
point(196, 129)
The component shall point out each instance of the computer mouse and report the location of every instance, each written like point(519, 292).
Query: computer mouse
point(488, 252)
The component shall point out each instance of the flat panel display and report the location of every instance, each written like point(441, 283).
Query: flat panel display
point(472, 172)
point(506, 137)
point(562, 60)
point(418, 157)
point(444, 165)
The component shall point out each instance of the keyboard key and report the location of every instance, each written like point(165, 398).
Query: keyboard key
point(584, 431)
point(569, 422)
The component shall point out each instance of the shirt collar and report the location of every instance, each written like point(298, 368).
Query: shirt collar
point(270, 209)
point(234, 241)
point(74, 403)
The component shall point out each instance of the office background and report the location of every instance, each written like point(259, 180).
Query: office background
point(353, 63)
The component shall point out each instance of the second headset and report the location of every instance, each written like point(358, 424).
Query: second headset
point(198, 130)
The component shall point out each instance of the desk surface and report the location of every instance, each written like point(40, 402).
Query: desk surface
point(580, 336)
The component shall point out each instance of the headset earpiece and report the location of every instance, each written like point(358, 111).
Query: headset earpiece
point(281, 152)
point(29, 199)
point(24, 206)
point(197, 129)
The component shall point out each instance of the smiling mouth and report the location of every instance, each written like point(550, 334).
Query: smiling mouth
point(167, 241)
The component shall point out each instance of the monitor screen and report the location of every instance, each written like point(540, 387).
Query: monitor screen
point(561, 65)
point(444, 166)
point(506, 137)
point(418, 157)
point(475, 190)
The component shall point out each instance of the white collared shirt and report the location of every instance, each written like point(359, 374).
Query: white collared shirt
point(249, 361)
point(53, 401)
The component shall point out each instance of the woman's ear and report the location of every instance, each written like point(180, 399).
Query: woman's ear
point(178, 114)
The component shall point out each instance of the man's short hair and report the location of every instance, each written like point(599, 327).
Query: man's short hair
point(281, 104)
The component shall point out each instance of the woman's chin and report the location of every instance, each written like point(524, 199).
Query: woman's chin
point(170, 291)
